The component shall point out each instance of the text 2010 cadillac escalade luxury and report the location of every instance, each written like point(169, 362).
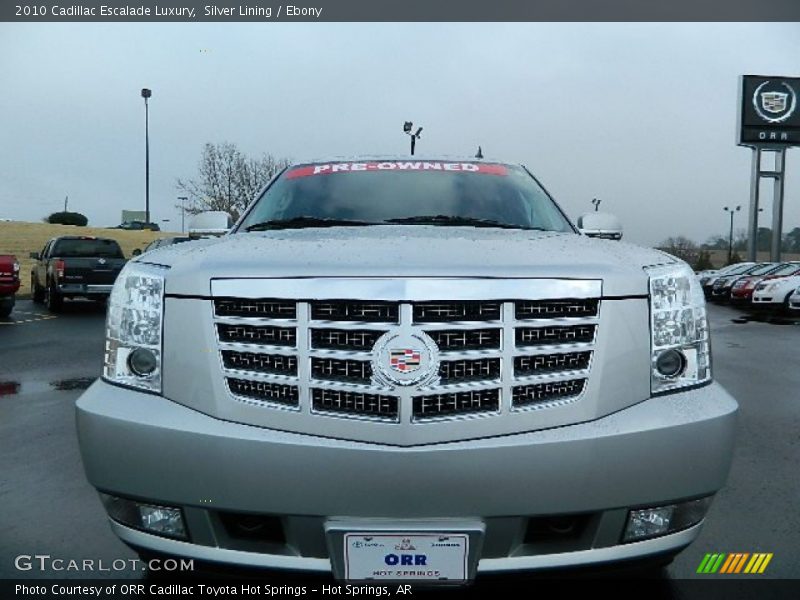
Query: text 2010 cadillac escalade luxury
point(407, 369)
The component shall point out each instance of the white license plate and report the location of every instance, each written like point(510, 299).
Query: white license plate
point(410, 556)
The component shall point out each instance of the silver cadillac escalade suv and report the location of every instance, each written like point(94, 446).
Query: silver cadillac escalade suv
point(407, 370)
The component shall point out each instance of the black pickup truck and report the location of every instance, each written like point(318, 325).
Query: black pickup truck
point(75, 267)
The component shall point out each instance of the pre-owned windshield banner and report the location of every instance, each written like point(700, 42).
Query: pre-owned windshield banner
point(407, 166)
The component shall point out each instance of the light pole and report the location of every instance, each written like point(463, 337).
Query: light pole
point(730, 235)
point(407, 126)
point(596, 202)
point(183, 209)
point(146, 94)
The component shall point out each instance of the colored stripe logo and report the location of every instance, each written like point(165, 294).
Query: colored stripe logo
point(734, 563)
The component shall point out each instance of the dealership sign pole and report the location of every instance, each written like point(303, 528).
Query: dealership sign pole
point(768, 121)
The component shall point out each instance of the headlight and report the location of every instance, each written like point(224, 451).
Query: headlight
point(133, 327)
point(680, 352)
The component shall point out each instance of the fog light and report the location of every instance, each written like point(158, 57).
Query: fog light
point(670, 363)
point(142, 362)
point(161, 520)
point(646, 523)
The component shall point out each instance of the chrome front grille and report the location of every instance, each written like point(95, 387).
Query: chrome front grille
point(334, 369)
point(354, 403)
point(455, 340)
point(571, 334)
point(490, 358)
point(245, 307)
point(549, 363)
point(368, 312)
point(446, 311)
point(456, 403)
point(525, 395)
point(557, 309)
point(481, 369)
point(344, 339)
point(276, 364)
point(264, 391)
point(248, 334)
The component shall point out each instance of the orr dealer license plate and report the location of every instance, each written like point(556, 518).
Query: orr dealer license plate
point(410, 556)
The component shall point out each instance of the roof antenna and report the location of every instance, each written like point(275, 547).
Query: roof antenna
point(479, 153)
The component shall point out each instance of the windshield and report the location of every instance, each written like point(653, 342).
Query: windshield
point(762, 270)
point(789, 269)
point(737, 269)
point(408, 193)
point(87, 247)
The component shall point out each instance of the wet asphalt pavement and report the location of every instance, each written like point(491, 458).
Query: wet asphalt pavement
point(47, 507)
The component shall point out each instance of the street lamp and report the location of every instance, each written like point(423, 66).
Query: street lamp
point(730, 235)
point(596, 202)
point(146, 94)
point(183, 209)
point(407, 126)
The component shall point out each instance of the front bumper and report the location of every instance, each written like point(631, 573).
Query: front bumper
point(88, 291)
point(741, 300)
point(665, 449)
point(721, 294)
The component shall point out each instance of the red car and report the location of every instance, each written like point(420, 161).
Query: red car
point(742, 290)
point(9, 283)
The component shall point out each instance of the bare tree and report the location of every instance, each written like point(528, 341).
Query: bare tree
point(716, 242)
point(227, 179)
point(680, 247)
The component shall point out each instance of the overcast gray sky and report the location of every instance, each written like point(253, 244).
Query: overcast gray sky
point(639, 115)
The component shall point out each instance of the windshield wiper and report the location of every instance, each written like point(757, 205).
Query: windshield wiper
point(301, 222)
point(455, 221)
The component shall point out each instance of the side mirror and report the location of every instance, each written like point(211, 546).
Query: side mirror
point(136, 252)
point(600, 225)
point(35, 255)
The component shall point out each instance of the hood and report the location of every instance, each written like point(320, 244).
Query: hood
point(406, 251)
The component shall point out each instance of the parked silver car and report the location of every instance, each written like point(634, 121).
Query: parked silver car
point(794, 303)
point(407, 370)
point(708, 281)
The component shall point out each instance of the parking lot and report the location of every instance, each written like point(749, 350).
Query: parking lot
point(49, 508)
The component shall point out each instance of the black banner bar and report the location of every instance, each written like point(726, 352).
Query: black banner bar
point(510, 587)
point(398, 10)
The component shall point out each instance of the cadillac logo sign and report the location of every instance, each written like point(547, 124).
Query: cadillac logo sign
point(405, 356)
point(774, 103)
point(768, 113)
point(404, 360)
